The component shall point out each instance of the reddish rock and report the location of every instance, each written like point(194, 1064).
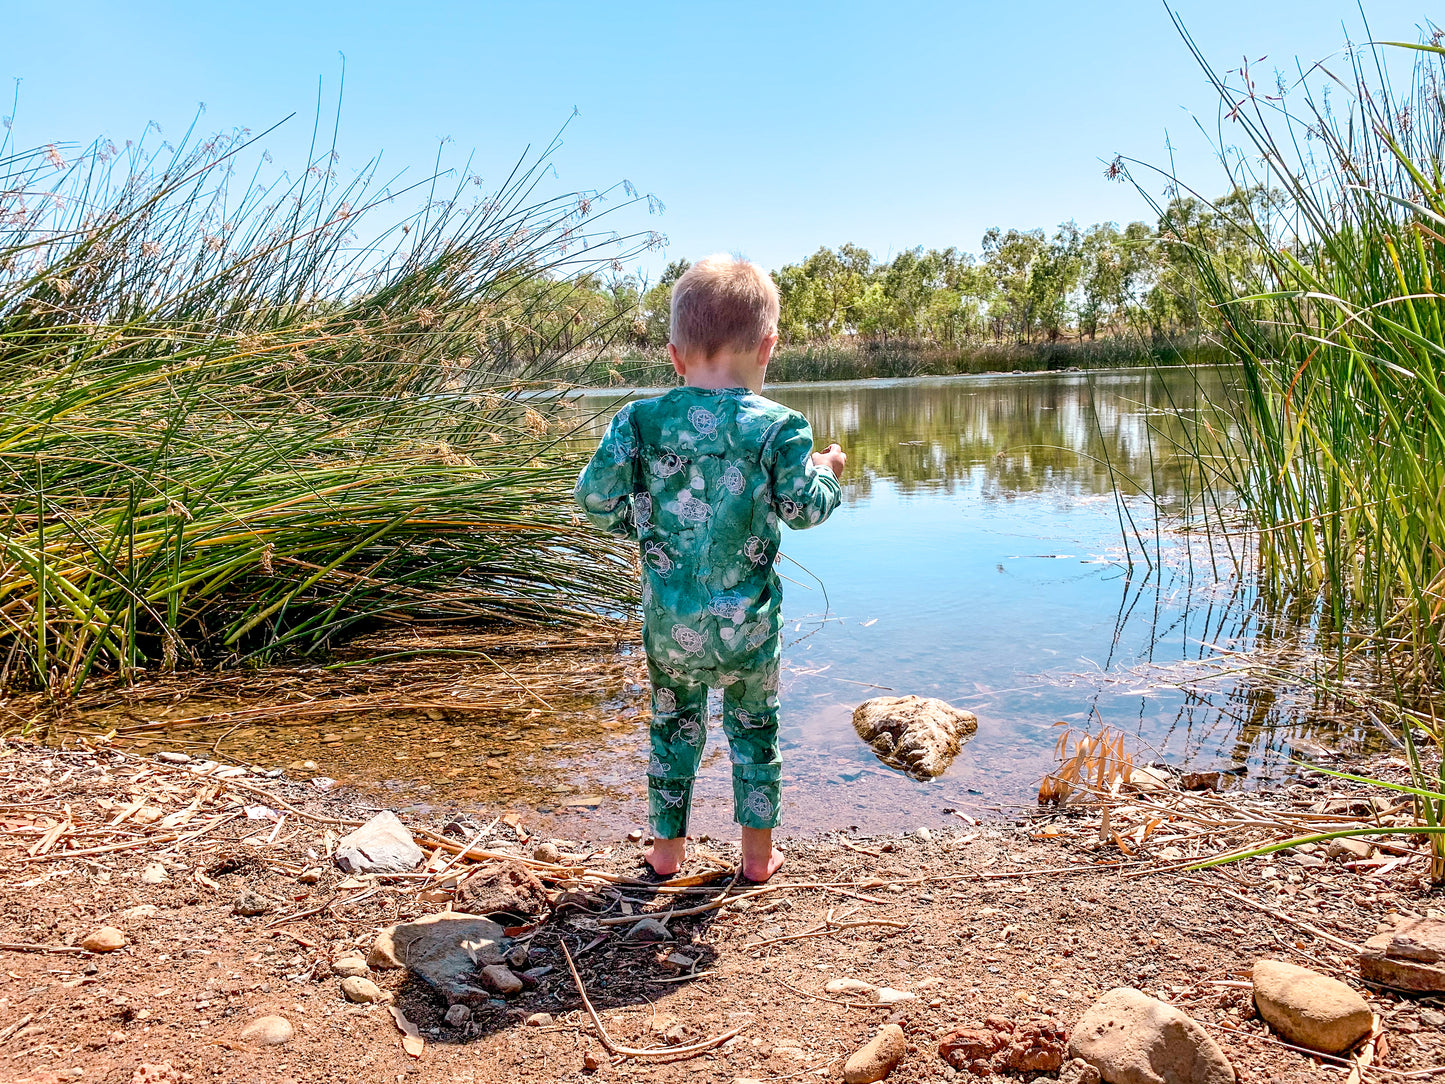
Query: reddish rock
point(502, 888)
point(1035, 1045)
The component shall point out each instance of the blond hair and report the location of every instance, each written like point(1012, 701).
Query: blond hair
point(723, 302)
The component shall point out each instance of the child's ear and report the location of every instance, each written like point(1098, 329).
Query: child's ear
point(677, 363)
point(765, 349)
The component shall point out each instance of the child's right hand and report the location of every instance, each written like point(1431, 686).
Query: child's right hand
point(833, 458)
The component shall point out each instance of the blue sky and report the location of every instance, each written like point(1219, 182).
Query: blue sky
point(765, 128)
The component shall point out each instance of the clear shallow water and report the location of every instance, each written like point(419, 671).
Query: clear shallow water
point(978, 557)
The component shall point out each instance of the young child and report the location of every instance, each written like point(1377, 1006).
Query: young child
point(701, 478)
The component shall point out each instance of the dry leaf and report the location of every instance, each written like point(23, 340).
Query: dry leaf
point(201, 878)
point(411, 1041)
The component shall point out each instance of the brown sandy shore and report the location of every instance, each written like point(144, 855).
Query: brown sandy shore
point(1020, 920)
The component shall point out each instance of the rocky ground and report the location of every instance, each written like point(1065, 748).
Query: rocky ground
point(246, 954)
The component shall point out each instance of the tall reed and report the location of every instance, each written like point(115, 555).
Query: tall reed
point(1336, 321)
point(243, 415)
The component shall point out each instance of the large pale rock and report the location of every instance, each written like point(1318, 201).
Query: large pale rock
point(1310, 1009)
point(381, 845)
point(1132, 1038)
point(918, 735)
point(103, 939)
point(268, 1031)
point(876, 1058)
point(449, 951)
point(1409, 957)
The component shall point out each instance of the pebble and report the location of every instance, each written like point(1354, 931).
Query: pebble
point(174, 758)
point(635, 836)
point(649, 929)
point(154, 874)
point(1351, 850)
point(539, 1020)
point(139, 913)
point(877, 1057)
point(1309, 1009)
point(458, 1015)
point(591, 1062)
point(268, 1031)
point(1432, 1019)
point(924, 835)
point(363, 991)
point(501, 979)
point(250, 903)
point(349, 966)
point(310, 876)
point(547, 852)
point(103, 939)
point(147, 814)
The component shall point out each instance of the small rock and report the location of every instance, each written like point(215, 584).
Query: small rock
point(363, 991)
point(383, 955)
point(1129, 1036)
point(1411, 956)
point(591, 1062)
point(349, 966)
point(502, 888)
point(310, 876)
point(1350, 850)
point(547, 852)
point(173, 758)
point(877, 1057)
point(459, 1015)
point(1432, 1019)
point(268, 1031)
point(250, 903)
point(886, 995)
point(103, 939)
point(501, 979)
point(924, 835)
point(649, 929)
point(1148, 780)
point(1078, 1071)
point(1200, 780)
point(147, 814)
point(154, 874)
point(1309, 1009)
point(141, 912)
point(381, 845)
point(635, 836)
point(857, 988)
point(677, 961)
point(539, 1020)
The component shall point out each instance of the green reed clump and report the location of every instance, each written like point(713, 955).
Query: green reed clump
point(243, 417)
point(1336, 321)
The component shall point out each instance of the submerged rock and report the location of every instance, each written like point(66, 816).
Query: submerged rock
point(914, 734)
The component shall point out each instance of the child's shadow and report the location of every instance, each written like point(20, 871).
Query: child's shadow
point(617, 962)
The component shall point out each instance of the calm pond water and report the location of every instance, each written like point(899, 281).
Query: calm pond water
point(979, 557)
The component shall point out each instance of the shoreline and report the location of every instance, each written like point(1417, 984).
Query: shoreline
point(230, 910)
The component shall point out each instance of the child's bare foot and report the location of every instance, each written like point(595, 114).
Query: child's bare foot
point(666, 856)
point(759, 871)
point(760, 858)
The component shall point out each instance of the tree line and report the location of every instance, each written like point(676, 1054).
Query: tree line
point(1024, 286)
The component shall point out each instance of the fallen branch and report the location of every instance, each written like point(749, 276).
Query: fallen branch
point(830, 928)
point(633, 1052)
point(169, 837)
point(25, 946)
point(834, 1000)
point(1281, 915)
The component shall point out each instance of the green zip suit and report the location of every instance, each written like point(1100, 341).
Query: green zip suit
point(701, 479)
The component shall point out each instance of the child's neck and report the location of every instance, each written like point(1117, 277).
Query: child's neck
point(725, 370)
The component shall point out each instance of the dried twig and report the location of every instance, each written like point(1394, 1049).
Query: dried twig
point(633, 1052)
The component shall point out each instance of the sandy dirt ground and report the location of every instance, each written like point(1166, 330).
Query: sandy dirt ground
point(1023, 920)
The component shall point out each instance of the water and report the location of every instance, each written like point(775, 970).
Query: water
point(979, 556)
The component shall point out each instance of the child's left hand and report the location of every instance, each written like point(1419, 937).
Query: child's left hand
point(833, 458)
